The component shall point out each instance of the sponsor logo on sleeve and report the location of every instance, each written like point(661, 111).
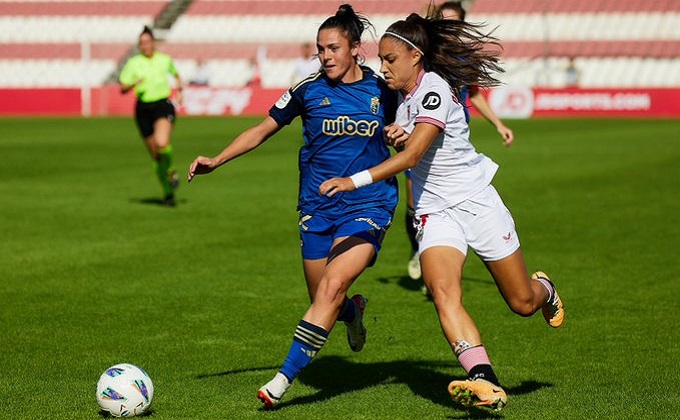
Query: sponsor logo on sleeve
point(432, 101)
point(283, 101)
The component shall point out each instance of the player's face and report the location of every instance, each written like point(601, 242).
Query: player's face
point(146, 45)
point(449, 14)
point(399, 65)
point(336, 54)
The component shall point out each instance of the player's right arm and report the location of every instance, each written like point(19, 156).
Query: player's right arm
point(128, 78)
point(419, 141)
point(244, 143)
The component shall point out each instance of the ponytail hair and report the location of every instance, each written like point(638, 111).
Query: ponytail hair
point(457, 51)
point(350, 23)
point(456, 6)
point(147, 30)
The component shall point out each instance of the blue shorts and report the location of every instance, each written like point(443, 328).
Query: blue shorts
point(317, 233)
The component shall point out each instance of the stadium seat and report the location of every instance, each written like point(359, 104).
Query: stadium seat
point(614, 42)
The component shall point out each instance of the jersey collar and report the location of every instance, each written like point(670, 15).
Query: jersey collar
point(419, 80)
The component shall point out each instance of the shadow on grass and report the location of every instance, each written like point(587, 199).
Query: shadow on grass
point(402, 281)
point(237, 371)
point(333, 376)
point(405, 282)
point(155, 201)
point(527, 387)
point(106, 415)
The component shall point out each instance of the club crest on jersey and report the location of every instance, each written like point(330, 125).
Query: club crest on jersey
point(344, 125)
point(431, 101)
point(375, 104)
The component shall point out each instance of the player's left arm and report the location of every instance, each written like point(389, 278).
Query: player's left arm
point(396, 136)
point(483, 107)
point(419, 141)
point(245, 142)
point(179, 84)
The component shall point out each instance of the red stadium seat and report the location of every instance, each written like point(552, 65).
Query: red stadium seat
point(273, 7)
point(79, 8)
point(536, 35)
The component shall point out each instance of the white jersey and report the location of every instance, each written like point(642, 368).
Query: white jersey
point(451, 171)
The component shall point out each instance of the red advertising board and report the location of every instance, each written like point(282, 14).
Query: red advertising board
point(507, 102)
point(40, 102)
point(536, 102)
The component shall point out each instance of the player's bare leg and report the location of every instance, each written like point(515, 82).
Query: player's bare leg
point(352, 310)
point(338, 276)
point(312, 332)
point(525, 295)
point(313, 270)
point(442, 271)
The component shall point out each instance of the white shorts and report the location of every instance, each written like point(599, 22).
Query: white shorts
point(482, 222)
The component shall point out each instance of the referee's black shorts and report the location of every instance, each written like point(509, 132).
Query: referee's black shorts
point(146, 113)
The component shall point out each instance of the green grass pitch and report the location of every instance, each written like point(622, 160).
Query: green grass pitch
point(205, 296)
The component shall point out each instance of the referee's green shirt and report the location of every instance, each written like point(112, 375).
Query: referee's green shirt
point(154, 74)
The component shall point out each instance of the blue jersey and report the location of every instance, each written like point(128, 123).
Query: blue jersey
point(464, 93)
point(343, 134)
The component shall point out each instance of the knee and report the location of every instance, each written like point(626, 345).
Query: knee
point(445, 297)
point(331, 291)
point(522, 307)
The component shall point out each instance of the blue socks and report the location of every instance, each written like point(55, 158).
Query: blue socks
point(307, 342)
point(309, 339)
point(348, 311)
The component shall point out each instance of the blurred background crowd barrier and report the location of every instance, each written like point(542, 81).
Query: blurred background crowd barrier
point(562, 57)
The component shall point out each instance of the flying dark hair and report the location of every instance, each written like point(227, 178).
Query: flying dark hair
point(351, 24)
point(147, 30)
point(456, 6)
point(457, 51)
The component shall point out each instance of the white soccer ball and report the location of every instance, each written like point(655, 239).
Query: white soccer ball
point(124, 390)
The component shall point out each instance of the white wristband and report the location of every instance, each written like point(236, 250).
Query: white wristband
point(361, 179)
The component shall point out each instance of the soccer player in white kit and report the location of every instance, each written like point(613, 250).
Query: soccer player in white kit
point(428, 60)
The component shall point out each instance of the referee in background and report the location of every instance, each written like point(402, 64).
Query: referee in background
point(147, 74)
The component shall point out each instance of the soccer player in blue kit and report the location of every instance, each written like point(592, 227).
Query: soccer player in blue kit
point(344, 109)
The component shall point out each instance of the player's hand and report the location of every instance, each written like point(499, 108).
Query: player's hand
point(200, 165)
point(507, 135)
point(335, 185)
point(395, 135)
point(179, 97)
point(126, 88)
